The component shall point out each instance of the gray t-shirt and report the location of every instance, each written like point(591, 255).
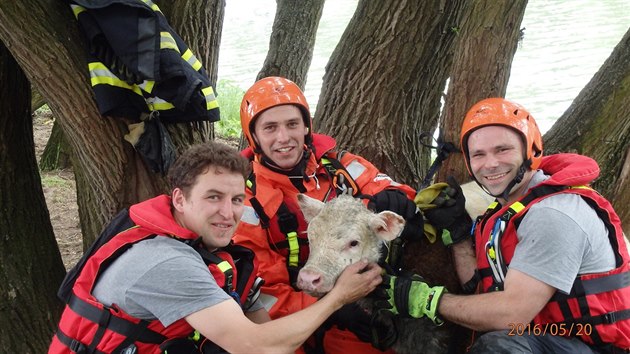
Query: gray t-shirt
point(560, 237)
point(160, 278)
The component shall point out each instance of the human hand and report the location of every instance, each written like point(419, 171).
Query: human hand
point(409, 296)
point(356, 281)
point(450, 215)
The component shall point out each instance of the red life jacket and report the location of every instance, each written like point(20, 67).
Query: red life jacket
point(597, 309)
point(88, 326)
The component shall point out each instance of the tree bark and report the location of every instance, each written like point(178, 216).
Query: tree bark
point(292, 40)
point(109, 174)
point(488, 40)
point(30, 263)
point(384, 81)
point(57, 153)
point(42, 32)
point(597, 124)
point(37, 100)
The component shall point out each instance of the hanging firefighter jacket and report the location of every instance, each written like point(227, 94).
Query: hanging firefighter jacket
point(598, 303)
point(140, 64)
point(142, 70)
point(88, 326)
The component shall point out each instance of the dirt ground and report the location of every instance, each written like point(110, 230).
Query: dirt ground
point(60, 193)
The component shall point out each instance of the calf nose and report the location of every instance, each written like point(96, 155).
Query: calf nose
point(309, 280)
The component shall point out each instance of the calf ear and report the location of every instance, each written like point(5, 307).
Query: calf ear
point(387, 225)
point(310, 207)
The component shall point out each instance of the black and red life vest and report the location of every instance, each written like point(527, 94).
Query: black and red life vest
point(599, 303)
point(88, 326)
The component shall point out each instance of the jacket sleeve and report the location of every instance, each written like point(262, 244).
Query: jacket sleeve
point(369, 178)
point(278, 297)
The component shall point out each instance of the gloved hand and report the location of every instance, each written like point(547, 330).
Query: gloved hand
point(450, 216)
point(397, 202)
point(409, 296)
point(353, 318)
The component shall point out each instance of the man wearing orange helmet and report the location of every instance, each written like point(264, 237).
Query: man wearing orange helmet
point(287, 159)
point(548, 257)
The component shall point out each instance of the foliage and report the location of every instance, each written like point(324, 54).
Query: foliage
point(229, 96)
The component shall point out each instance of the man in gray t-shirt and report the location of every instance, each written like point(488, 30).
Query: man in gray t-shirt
point(156, 271)
point(549, 253)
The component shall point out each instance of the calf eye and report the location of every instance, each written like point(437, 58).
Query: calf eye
point(354, 243)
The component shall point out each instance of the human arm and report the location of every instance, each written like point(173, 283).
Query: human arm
point(236, 334)
point(522, 298)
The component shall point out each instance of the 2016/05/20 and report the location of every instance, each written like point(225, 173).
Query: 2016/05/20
point(554, 329)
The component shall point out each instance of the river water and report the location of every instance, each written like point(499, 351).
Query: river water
point(564, 45)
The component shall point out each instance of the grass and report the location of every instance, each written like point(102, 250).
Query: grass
point(229, 97)
point(55, 181)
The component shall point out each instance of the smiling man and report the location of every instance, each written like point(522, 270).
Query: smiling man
point(171, 281)
point(287, 159)
point(549, 259)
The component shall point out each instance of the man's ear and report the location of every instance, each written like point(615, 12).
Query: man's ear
point(178, 199)
point(310, 207)
point(387, 225)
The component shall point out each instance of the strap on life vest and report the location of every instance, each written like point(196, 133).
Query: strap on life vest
point(133, 332)
point(340, 177)
point(498, 267)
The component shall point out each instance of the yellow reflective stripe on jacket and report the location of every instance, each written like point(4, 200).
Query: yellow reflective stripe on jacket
point(167, 41)
point(189, 57)
point(158, 104)
point(147, 85)
point(152, 5)
point(517, 206)
point(224, 266)
point(100, 75)
point(211, 100)
point(77, 9)
point(294, 248)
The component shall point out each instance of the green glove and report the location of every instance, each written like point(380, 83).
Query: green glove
point(411, 296)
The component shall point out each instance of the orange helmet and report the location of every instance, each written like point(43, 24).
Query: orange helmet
point(499, 111)
point(270, 92)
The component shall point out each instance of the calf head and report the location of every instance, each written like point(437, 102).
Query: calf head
point(341, 232)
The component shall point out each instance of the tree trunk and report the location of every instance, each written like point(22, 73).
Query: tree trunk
point(57, 152)
point(292, 40)
point(597, 124)
point(37, 100)
point(109, 174)
point(489, 35)
point(30, 263)
point(384, 81)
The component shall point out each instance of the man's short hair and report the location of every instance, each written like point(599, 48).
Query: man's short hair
point(199, 158)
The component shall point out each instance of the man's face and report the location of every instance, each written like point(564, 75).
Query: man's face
point(213, 207)
point(496, 153)
point(280, 131)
